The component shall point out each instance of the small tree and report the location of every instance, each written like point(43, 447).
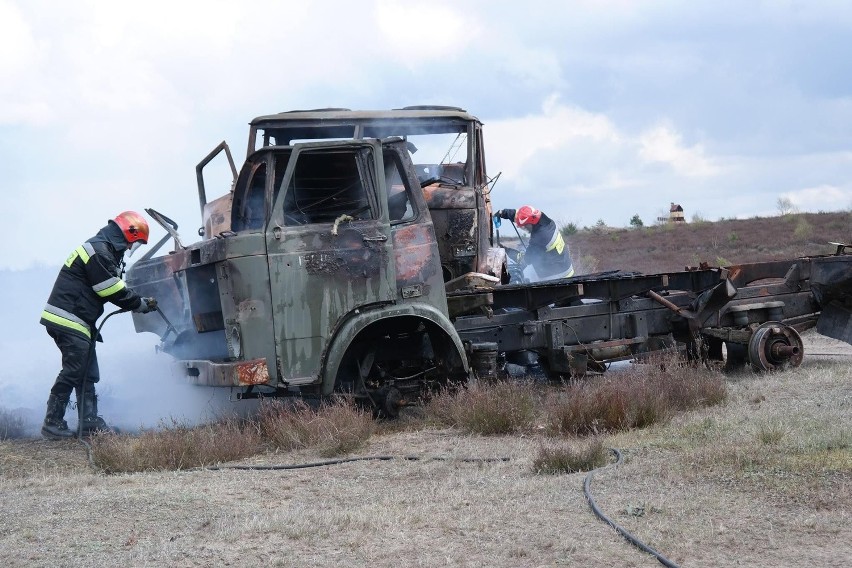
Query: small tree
point(568, 229)
point(636, 221)
point(785, 206)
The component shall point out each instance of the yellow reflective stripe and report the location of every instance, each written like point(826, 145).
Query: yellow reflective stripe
point(558, 244)
point(84, 254)
point(111, 290)
point(79, 251)
point(70, 260)
point(65, 322)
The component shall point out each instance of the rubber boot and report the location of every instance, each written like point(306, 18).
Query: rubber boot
point(55, 427)
point(87, 408)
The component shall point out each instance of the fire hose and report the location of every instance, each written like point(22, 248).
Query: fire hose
point(81, 399)
point(586, 485)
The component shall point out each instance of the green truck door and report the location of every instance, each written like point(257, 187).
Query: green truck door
point(329, 249)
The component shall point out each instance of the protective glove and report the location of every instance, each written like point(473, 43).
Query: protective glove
point(147, 305)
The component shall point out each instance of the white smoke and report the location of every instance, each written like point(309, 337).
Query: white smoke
point(137, 388)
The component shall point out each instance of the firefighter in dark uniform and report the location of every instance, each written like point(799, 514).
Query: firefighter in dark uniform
point(547, 254)
point(90, 277)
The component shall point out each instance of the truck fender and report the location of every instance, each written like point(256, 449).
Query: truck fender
point(357, 322)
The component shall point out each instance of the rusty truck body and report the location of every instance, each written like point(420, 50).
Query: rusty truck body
point(339, 262)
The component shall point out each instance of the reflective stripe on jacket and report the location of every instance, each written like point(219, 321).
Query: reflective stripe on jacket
point(90, 277)
point(547, 251)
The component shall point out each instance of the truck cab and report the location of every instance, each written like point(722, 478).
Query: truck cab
point(447, 150)
point(324, 274)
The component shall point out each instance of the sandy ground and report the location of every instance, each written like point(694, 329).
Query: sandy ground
point(676, 490)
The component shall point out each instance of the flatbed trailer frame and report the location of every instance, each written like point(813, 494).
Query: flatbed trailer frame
point(575, 325)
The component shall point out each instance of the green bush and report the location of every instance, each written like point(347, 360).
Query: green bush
point(803, 230)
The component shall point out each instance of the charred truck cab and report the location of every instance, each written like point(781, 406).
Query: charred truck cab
point(328, 278)
point(354, 254)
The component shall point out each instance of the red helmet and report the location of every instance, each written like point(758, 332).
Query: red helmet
point(134, 226)
point(527, 215)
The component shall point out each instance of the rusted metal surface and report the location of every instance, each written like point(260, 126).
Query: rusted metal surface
point(415, 253)
point(254, 372)
point(443, 196)
point(775, 346)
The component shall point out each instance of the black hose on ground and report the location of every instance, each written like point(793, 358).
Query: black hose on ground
point(621, 530)
point(586, 483)
point(347, 460)
point(82, 397)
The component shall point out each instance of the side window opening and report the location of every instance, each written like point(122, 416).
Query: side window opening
point(400, 204)
point(326, 185)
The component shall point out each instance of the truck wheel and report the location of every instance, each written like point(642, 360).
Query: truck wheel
point(774, 346)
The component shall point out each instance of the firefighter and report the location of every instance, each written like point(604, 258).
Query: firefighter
point(90, 277)
point(547, 256)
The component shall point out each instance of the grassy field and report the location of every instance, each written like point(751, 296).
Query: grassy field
point(762, 479)
point(744, 469)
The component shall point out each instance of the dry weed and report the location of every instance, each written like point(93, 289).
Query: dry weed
point(334, 429)
point(499, 408)
point(11, 425)
point(176, 446)
point(570, 458)
point(646, 394)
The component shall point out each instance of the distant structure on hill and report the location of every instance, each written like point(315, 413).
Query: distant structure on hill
point(675, 215)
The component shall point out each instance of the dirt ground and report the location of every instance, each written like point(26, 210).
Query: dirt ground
point(713, 487)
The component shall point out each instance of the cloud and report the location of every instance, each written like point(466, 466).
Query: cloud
point(820, 198)
point(593, 108)
point(418, 31)
point(663, 144)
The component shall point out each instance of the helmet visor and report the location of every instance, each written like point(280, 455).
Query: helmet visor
point(134, 247)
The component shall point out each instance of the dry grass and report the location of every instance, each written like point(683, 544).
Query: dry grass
point(702, 488)
point(570, 458)
point(12, 426)
point(644, 395)
point(503, 407)
point(176, 446)
point(333, 429)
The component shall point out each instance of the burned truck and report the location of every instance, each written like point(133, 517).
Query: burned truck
point(354, 254)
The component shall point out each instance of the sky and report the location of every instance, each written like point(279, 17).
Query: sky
point(592, 110)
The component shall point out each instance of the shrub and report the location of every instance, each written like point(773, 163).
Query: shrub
point(567, 458)
point(176, 446)
point(733, 237)
point(698, 219)
point(770, 433)
point(568, 229)
point(803, 230)
point(490, 409)
point(636, 221)
point(587, 264)
point(647, 394)
point(11, 425)
point(334, 429)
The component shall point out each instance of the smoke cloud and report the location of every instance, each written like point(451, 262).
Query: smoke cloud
point(137, 388)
